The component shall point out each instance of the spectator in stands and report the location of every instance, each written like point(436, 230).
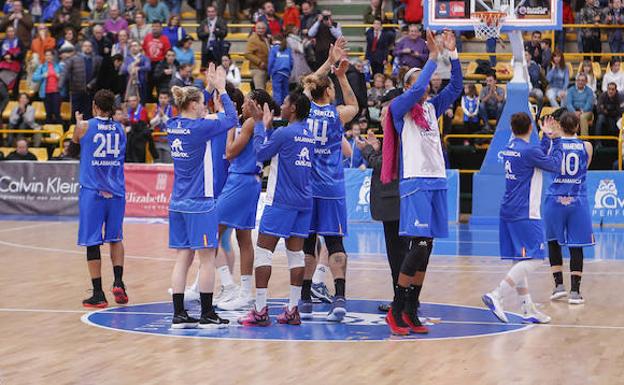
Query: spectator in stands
point(65, 153)
point(546, 54)
point(257, 52)
point(374, 11)
point(21, 21)
point(590, 37)
point(66, 17)
point(444, 62)
point(233, 8)
point(279, 68)
point(130, 10)
point(175, 6)
point(137, 67)
point(184, 52)
point(69, 37)
point(580, 99)
point(174, 31)
point(614, 75)
point(136, 112)
point(534, 46)
point(155, 10)
point(115, 23)
point(535, 80)
point(378, 43)
point(80, 73)
point(389, 85)
point(292, 17)
point(356, 160)
point(155, 47)
point(558, 77)
point(99, 13)
point(10, 67)
point(269, 18)
point(102, 45)
point(298, 46)
point(212, 32)
point(308, 16)
point(412, 50)
point(23, 118)
point(588, 69)
point(122, 46)
point(165, 70)
point(615, 15)
point(326, 32)
point(11, 45)
point(413, 11)
point(568, 18)
point(21, 152)
point(491, 101)
point(140, 29)
point(232, 71)
point(182, 77)
point(112, 78)
point(48, 75)
point(374, 96)
point(163, 112)
point(42, 43)
point(609, 111)
point(470, 108)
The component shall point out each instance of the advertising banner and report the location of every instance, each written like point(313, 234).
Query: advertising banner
point(148, 189)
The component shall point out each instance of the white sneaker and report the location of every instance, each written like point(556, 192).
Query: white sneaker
point(531, 315)
point(575, 298)
point(495, 304)
point(189, 294)
point(558, 293)
point(240, 302)
point(226, 293)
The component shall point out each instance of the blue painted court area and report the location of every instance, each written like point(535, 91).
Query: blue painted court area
point(363, 323)
point(367, 240)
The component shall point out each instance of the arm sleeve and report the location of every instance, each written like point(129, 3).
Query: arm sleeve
point(336, 31)
point(314, 29)
point(451, 92)
point(566, 80)
point(225, 121)
point(266, 147)
point(547, 162)
point(589, 100)
point(403, 103)
point(271, 60)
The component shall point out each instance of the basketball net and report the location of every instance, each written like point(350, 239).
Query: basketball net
point(489, 24)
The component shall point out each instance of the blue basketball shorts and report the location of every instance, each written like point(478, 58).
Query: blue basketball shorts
point(193, 230)
point(238, 202)
point(329, 216)
point(285, 222)
point(98, 215)
point(568, 221)
point(523, 239)
point(424, 213)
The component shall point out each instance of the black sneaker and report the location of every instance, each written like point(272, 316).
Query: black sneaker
point(183, 321)
point(212, 321)
point(96, 301)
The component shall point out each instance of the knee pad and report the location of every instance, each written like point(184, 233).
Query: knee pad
point(309, 245)
point(295, 259)
point(334, 244)
point(93, 253)
point(554, 253)
point(576, 259)
point(521, 270)
point(416, 258)
point(263, 257)
point(425, 261)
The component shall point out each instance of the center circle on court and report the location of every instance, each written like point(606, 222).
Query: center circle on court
point(362, 323)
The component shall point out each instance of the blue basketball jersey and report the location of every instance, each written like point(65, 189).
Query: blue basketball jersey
point(246, 161)
point(220, 164)
point(524, 163)
point(327, 171)
point(291, 151)
point(102, 156)
point(570, 179)
point(192, 153)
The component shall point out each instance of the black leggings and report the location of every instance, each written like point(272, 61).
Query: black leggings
point(396, 248)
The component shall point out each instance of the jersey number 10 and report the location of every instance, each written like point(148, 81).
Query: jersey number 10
point(106, 145)
point(570, 164)
point(313, 125)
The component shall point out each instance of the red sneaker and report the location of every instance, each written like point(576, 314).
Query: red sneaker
point(290, 317)
point(119, 292)
point(397, 327)
point(256, 318)
point(414, 323)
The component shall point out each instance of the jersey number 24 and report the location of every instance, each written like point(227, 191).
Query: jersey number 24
point(313, 125)
point(107, 144)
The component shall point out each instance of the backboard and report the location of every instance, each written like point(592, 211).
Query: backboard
point(523, 15)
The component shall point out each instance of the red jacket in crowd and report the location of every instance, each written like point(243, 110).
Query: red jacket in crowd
point(413, 11)
point(156, 47)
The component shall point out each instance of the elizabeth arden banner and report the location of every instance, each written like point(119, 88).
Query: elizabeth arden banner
point(148, 189)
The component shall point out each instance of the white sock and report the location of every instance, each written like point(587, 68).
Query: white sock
point(261, 299)
point(319, 274)
point(503, 289)
point(246, 285)
point(526, 299)
point(294, 297)
point(225, 275)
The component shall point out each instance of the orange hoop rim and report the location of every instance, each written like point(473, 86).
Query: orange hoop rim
point(490, 18)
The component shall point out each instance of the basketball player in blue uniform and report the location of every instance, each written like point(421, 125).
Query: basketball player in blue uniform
point(422, 173)
point(329, 213)
point(101, 143)
point(566, 212)
point(238, 203)
point(521, 232)
point(193, 224)
point(288, 209)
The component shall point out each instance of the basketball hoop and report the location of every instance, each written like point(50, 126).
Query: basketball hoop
point(489, 24)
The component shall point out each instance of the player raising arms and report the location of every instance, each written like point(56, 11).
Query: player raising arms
point(101, 143)
point(193, 224)
point(288, 209)
point(521, 233)
point(329, 212)
point(566, 213)
point(422, 184)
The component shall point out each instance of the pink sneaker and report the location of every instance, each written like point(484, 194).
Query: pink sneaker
point(290, 317)
point(256, 318)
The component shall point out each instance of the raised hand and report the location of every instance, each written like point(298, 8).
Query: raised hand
point(267, 116)
point(432, 45)
point(220, 79)
point(342, 68)
point(254, 110)
point(551, 127)
point(210, 77)
point(81, 127)
point(338, 50)
point(448, 40)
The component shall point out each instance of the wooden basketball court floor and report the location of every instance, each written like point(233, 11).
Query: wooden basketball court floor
point(43, 278)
